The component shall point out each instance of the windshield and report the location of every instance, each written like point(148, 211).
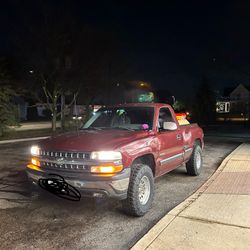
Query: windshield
point(129, 118)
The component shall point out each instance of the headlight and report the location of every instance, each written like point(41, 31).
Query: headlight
point(34, 150)
point(106, 155)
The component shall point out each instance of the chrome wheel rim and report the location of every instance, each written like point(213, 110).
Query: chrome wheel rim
point(144, 190)
point(198, 161)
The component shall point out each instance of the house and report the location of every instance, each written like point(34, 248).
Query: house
point(240, 101)
point(235, 105)
point(240, 93)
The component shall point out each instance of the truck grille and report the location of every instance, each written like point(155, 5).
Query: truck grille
point(66, 155)
point(64, 166)
point(71, 161)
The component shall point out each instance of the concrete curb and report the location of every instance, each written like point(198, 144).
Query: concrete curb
point(23, 139)
point(157, 229)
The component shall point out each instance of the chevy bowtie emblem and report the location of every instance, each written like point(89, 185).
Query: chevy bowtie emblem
point(59, 160)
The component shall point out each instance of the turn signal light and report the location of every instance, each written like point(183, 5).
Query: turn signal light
point(106, 169)
point(35, 162)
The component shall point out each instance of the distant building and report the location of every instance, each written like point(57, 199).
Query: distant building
point(235, 105)
point(21, 106)
point(240, 93)
point(240, 100)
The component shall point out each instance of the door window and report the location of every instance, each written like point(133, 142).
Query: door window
point(164, 116)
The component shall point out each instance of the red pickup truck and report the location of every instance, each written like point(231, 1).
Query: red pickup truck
point(119, 152)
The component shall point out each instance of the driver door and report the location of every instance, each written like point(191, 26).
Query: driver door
point(170, 143)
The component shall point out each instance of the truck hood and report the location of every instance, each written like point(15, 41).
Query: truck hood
point(91, 140)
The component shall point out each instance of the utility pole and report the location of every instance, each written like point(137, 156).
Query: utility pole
point(173, 99)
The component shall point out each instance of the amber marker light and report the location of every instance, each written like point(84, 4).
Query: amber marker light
point(35, 162)
point(106, 169)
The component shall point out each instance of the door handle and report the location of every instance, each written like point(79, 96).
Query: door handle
point(178, 137)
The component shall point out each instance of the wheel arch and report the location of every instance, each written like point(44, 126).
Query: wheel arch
point(147, 159)
point(198, 141)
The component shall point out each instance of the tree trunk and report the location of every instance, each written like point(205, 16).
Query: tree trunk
point(54, 123)
point(54, 113)
point(62, 112)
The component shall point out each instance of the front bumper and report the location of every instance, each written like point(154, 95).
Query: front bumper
point(90, 185)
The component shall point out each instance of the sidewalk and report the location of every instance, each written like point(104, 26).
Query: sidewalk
point(217, 216)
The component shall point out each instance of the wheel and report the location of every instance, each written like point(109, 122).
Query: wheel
point(194, 165)
point(140, 191)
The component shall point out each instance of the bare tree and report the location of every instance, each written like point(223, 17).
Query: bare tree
point(62, 56)
point(7, 109)
point(204, 103)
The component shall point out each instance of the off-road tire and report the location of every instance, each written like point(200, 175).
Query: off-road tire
point(194, 165)
point(132, 205)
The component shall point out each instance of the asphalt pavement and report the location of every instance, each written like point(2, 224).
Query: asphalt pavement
point(215, 217)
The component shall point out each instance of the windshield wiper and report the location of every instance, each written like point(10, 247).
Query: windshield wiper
point(102, 128)
point(93, 128)
point(123, 128)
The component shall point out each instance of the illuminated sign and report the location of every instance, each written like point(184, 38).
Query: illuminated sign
point(222, 107)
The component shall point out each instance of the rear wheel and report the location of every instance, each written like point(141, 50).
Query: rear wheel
point(194, 165)
point(140, 191)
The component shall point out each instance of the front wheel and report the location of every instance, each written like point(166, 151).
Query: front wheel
point(140, 191)
point(194, 165)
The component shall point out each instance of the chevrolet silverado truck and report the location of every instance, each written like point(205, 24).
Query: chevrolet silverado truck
point(119, 152)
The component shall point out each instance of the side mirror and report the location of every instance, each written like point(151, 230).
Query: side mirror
point(169, 126)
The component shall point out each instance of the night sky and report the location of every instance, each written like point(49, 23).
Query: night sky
point(172, 44)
